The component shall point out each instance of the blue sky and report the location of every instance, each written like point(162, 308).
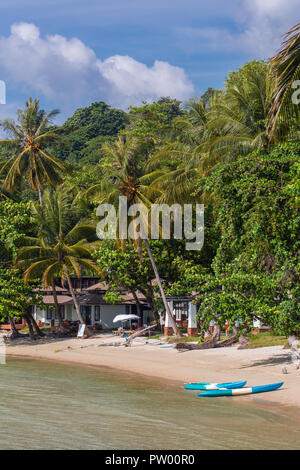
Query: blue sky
point(70, 53)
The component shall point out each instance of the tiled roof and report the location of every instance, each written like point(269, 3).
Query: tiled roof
point(103, 286)
point(61, 299)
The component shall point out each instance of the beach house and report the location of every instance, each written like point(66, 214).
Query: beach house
point(95, 310)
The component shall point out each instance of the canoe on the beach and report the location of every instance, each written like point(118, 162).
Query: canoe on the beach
point(240, 391)
point(214, 386)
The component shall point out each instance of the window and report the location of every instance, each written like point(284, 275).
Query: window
point(49, 313)
point(97, 313)
point(127, 309)
point(181, 310)
point(76, 283)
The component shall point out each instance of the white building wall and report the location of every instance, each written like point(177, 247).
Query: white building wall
point(192, 316)
point(108, 313)
point(167, 320)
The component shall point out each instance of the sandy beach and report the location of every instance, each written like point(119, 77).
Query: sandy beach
point(153, 359)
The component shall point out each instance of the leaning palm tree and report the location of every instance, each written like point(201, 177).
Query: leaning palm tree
point(63, 246)
point(29, 138)
point(125, 175)
point(286, 71)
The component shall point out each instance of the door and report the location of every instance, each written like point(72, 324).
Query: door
point(86, 314)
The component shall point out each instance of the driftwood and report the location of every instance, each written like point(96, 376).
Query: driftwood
point(209, 344)
point(226, 342)
point(190, 346)
point(138, 333)
point(244, 342)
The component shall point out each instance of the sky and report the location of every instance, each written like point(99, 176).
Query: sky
point(70, 53)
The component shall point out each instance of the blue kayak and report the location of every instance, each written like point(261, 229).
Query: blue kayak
point(240, 391)
point(214, 386)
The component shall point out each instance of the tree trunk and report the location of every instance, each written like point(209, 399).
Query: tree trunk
point(168, 311)
point(138, 333)
point(137, 303)
point(35, 326)
point(217, 333)
point(209, 344)
point(15, 333)
point(80, 318)
point(61, 323)
point(40, 193)
point(213, 342)
point(31, 332)
point(153, 307)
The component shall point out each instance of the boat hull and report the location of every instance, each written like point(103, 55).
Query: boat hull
point(214, 386)
point(240, 391)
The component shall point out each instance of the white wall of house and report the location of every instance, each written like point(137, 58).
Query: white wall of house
point(192, 315)
point(46, 316)
point(107, 314)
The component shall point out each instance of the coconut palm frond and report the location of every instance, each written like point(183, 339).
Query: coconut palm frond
point(286, 72)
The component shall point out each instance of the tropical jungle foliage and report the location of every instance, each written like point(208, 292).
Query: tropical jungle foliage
point(235, 150)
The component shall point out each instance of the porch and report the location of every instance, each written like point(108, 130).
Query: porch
point(184, 313)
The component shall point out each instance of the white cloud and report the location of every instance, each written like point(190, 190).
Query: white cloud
point(66, 70)
point(259, 26)
point(135, 81)
point(272, 8)
point(267, 21)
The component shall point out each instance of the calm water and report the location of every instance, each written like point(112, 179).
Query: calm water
point(52, 406)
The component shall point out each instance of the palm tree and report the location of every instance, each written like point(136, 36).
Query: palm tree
point(179, 169)
point(63, 246)
point(192, 127)
point(125, 175)
point(286, 71)
point(29, 139)
point(237, 118)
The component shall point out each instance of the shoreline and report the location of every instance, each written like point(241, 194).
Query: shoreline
point(148, 360)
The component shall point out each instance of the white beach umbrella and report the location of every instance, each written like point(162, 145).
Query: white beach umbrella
point(124, 317)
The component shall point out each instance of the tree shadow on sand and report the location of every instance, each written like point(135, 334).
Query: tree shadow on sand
point(269, 361)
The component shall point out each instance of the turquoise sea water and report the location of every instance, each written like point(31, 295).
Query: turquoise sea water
point(44, 405)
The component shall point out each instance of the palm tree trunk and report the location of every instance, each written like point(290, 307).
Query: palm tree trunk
point(80, 318)
point(168, 311)
point(61, 323)
point(40, 193)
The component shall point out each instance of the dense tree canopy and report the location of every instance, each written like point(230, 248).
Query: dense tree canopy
point(85, 132)
point(255, 273)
